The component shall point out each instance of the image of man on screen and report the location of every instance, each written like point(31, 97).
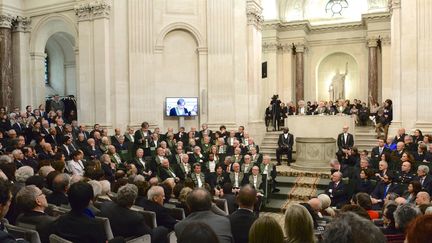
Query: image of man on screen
point(180, 110)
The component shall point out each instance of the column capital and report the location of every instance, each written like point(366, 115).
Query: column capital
point(22, 24)
point(92, 10)
point(254, 14)
point(6, 21)
point(270, 46)
point(372, 41)
point(394, 4)
point(300, 47)
point(286, 47)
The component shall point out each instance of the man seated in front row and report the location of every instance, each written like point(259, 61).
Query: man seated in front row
point(337, 190)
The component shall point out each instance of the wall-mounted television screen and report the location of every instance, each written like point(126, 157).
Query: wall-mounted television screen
point(181, 106)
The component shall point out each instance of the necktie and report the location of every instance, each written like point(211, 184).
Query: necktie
point(385, 191)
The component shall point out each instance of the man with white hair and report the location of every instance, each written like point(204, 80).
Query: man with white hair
point(422, 198)
point(268, 170)
point(18, 158)
point(337, 190)
point(424, 178)
point(165, 171)
point(23, 173)
point(154, 203)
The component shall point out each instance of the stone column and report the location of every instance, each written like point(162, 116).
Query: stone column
point(373, 69)
point(20, 60)
point(299, 81)
point(6, 80)
point(287, 73)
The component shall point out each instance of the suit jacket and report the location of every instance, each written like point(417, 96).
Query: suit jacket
point(219, 224)
point(19, 128)
point(271, 171)
point(139, 135)
point(57, 198)
point(286, 142)
point(38, 219)
point(231, 202)
point(379, 190)
point(181, 171)
point(74, 226)
point(240, 178)
point(376, 155)
point(140, 167)
point(427, 183)
point(124, 221)
point(195, 180)
point(241, 222)
point(259, 184)
point(164, 173)
point(129, 138)
point(342, 144)
point(338, 194)
point(248, 170)
point(257, 160)
point(163, 217)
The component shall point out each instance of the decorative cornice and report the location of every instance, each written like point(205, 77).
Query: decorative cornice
point(254, 14)
point(6, 21)
point(93, 10)
point(376, 17)
point(22, 24)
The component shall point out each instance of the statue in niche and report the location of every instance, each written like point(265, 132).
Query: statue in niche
point(337, 86)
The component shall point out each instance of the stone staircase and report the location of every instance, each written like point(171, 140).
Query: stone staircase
point(365, 138)
point(295, 186)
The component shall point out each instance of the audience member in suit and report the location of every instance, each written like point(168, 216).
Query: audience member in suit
point(424, 178)
point(60, 186)
point(116, 137)
point(421, 155)
point(154, 203)
point(142, 166)
point(285, 144)
point(197, 176)
point(313, 206)
point(92, 151)
point(183, 169)
point(378, 151)
point(165, 171)
point(230, 198)
point(337, 190)
point(199, 202)
point(142, 138)
point(181, 135)
point(383, 188)
point(335, 165)
point(400, 136)
point(268, 170)
point(33, 202)
point(126, 222)
point(75, 226)
point(345, 141)
point(18, 127)
point(30, 159)
point(243, 218)
point(255, 156)
point(409, 145)
point(236, 176)
point(396, 156)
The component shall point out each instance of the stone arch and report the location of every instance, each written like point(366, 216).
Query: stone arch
point(324, 75)
point(179, 26)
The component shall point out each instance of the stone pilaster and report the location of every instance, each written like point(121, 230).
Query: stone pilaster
point(299, 80)
point(6, 82)
point(372, 44)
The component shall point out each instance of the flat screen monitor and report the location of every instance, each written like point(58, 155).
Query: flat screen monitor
point(181, 106)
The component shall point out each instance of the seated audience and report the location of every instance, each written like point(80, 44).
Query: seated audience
point(337, 190)
point(199, 203)
point(74, 226)
point(126, 222)
point(154, 203)
point(349, 227)
point(60, 187)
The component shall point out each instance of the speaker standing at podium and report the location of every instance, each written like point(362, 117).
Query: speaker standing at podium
point(285, 144)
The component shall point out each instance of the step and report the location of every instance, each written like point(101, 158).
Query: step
point(290, 181)
point(282, 194)
point(274, 205)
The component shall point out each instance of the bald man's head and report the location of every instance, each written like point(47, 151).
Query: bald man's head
point(247, 197)
point(315, 204)
point(199, 200)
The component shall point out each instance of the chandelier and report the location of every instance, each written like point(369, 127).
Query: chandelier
point(336, 6)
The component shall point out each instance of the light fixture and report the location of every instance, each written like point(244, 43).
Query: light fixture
point(336, 6)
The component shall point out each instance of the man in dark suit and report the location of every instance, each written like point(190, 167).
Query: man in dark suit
point(165, 171)
point(242, 219)
point(74, 226)
point(60, 186)
point(378, 151)
point(236, 176)
point(424, 178)
point(32, 200)
point(337, 190)
point(229, 196)
point(116, 137)
point(345, 142)
point(18, 127)
point(199, 202)
point(383, 188)
point(142, 138)
point(142, 166)
point(181, 135)
point(154, 202)
point(285, 144)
